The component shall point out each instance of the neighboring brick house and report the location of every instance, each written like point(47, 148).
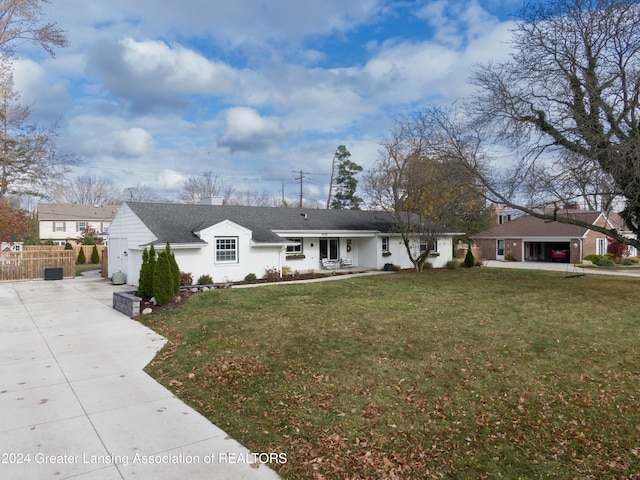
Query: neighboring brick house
point(65, 222)
point(529, 238)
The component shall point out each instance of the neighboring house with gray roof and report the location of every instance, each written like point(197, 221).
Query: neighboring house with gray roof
point(67, 222)
point(228, 242)
point(529, 238)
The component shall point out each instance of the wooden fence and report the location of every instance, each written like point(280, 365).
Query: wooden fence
point(31, 263)
point(88, 250)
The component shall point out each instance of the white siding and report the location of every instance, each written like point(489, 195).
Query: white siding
point(250, 259)
point(127, 234)
point(46, 229)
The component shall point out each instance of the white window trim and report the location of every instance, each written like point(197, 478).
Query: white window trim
point(295, 249)
point(235, 250)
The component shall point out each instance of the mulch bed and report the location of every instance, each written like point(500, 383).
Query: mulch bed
point(186, 292)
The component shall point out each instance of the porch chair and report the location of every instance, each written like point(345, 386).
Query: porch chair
point(346, 262)
point(329, 264)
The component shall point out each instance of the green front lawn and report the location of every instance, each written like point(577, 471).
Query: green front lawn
point(86, 267)
point(479, 373)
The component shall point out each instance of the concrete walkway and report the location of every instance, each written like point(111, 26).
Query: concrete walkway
point(565, 268)
point(75, 403)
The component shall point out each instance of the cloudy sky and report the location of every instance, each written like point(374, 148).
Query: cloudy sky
point(153, 91)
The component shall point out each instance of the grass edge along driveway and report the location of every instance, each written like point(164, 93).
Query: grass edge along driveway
point(442, 374)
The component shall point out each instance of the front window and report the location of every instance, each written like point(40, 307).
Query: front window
point(227, 250)
point(292, 249)
point(81, 226)
point(59, 227)
point(385, 244)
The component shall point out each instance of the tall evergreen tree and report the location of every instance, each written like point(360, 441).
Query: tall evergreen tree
point(163, 283)
point(95, 256)
point(145, 282)
point(345, 181)
point(175, 270)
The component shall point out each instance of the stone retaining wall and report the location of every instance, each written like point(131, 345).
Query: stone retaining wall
point(127, 303)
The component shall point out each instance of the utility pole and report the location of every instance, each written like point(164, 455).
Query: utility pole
point(301, 177)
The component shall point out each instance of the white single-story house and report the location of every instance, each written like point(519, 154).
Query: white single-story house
point(228, 242)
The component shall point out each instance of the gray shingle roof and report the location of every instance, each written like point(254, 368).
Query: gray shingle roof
point(73, 212)
point(176, 223)
point(530, 226)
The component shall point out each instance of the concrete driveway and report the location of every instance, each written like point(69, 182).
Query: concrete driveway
point(566, 268)
point(75, 403)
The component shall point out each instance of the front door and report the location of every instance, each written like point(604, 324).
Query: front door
point(330, 248)
point(500, 250)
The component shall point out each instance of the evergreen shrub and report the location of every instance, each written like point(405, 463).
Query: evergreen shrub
point(145, 282)
point(205, 280)
point(95, 256)
point(469, 259)
point(163, 280)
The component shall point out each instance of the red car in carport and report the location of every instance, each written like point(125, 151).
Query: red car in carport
point(560, 255)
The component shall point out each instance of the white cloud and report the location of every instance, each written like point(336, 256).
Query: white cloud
point(108, 136)
point(227, 85)
point(170, 179)
point(133, 142)
point(159, 67)
point(246, 130)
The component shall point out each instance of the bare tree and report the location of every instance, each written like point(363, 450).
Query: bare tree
point(140, 193)
point(206, 185)
point(20, 21)
point(423, 187)
point(254, 199)
point(29, 160)
point(89, 190)
point(571, 92)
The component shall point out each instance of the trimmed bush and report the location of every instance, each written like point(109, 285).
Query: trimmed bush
point(453, 264)
point(82, 259)
point(175, 270)
point(145, 282)
point(95, 256)
point(250, 278)
point(605, 262)
point(163, 280)
point(205, 280)
point(469, 259)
